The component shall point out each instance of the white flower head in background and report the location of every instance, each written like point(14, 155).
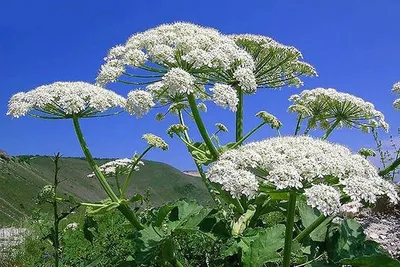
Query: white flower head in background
point(139, 103)
point(117, 167)
point(301, 163)
point(225, 96)
point(72, 226)
point(396, 89)
point(155, 141)
point(276, 65)
point(327, 106)
point(269, 119)
point(61, 100)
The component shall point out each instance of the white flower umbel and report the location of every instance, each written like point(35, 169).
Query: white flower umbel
point(178, 81)
point(155, 141)
point(236, 181)
point(396, 89)
point(277, 65)
point(139, 103)
point(63, 100)
point(246, 79)
point(323, 197)
point(296, 163)
point(178, 45)
point(328, 106)
point(117, 167)
point(224, 95)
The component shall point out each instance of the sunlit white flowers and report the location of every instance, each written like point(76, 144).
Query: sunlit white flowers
point(178, 81)
point(329, 107)
point(298, 163)
point(117, 167)
point(183, 45)
point(277, 65)
point(323, 197)
point(155, 141)
point(72, 226)
point(139, 102)
point(396, 89)
point(64, 100)
point(225, 96)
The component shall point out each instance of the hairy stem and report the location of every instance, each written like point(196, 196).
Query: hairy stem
point(201, 127)
point(287, 250)
point(123, 208)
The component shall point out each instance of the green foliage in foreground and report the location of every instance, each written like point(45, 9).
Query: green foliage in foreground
point(184, 233)
point(21, 180)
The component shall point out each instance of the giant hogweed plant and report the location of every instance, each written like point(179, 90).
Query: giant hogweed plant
point(276, 199)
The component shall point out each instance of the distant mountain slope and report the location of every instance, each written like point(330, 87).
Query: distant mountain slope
point(21, 181)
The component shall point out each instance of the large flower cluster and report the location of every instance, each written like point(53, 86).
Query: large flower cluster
point(326, 106)
point(277, 65)
point(117, 167)
point(298, 163)
point(184, 45)
point(64, 99)
point(180, 58)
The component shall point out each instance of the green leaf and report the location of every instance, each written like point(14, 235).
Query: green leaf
point(148, 244)
point(347, 244)
point(308, 216)
point(162, 213)
point(372, 261)
point(241, 224)
point(187, 215)
point(89, 227)
point(263, 247)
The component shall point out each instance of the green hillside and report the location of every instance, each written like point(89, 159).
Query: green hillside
point(20, 182)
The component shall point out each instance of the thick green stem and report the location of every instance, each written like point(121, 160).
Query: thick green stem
point(239, 114)
point(93, 165)
point(329, 131)
point(201, 127)
point(390, 168)
point(298, 125)
point(123, 208)
point(199, 168)
point(129, 176)
point(310, 228)
point(238, 143)
point(287, 250)
point(56, 241)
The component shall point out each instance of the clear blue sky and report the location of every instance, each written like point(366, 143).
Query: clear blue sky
point(354, 45)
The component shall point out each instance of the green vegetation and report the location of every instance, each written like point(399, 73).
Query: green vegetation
point(23, 177)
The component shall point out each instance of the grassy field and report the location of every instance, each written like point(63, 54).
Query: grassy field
point(21, 181)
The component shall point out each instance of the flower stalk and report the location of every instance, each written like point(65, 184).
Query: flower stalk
point(287, 250)
point(329, 131)
point(239, 114)
point(129, 176)
point(201, 126)
point(311, 228)
point(123, 208)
